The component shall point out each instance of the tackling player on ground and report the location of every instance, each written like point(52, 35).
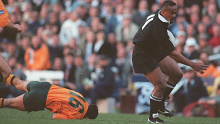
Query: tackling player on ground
point(64, 103)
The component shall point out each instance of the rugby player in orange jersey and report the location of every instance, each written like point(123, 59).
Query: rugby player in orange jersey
point(4, 19)
point(64, 103)
point(6, 23)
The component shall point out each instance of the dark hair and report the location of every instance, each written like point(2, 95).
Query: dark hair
point(168, 3)
point(92, 112)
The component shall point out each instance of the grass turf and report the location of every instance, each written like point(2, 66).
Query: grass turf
point(12, 116)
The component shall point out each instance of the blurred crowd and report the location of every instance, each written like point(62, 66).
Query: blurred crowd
point(91, 42)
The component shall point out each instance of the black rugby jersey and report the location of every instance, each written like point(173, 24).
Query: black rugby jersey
point(152, 38)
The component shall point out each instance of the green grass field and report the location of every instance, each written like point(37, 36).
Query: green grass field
point(11, 116)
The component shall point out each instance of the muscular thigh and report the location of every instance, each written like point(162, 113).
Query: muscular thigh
point(156, 77)
point(170, 67)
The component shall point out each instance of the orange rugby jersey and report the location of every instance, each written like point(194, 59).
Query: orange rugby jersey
point(67, 103)
point(4, 19)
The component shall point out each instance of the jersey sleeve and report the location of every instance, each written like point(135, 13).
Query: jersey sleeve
point(61, 116)
point(4, 17)
point(161, 37)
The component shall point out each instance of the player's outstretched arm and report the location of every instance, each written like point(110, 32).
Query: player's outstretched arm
point(12, 26)
point(199, 67)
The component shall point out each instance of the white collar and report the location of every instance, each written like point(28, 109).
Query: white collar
point(162, 18)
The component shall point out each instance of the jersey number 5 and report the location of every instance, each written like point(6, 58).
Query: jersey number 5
point(77, 103)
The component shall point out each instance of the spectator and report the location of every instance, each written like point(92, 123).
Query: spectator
point(110, 20)
point(82, 36)
point(33, 23)
point(53, 20)
point(55, 48)
point(57, 64)
point(74, 47)
point(111, 38)
point(37, 55)
point(46, 36)
point(127, 30)
point(57, 8)
point(62, 17)
point(96, 25)
point(81, 9)
point(213, 101)
point(105, 83)
point(87, 82)
point(203, 44)
point(102, 6)
point(190, 50)
point(180, 38)
point(25, 43)
point(190, 31)
point(69, 71)
point(191, 89)
point(119, 13)
point(124, 69)
point(11, 6)
point(141, 14)
point(69, 28)
point(81, 71)
point(215, 40)
point(37, 4)
point(67, 5)
point(194, 19)
point(216, 72)
point(18, 72)
point(87, 49)
point(12, 49)
point(101, 46)
point(43, 17)
point(202, 30)
point(212, 11)
point(24, 32)
point(93, 12)
point(155, 7)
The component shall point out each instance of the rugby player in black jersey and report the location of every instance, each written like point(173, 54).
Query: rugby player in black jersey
point(154, 55)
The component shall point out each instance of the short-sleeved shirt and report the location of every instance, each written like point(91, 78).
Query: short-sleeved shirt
point(4, 18)
point(152, 43)
point(67, 103)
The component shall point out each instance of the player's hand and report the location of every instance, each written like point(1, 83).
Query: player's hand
point(199, 67)
point(17, 27)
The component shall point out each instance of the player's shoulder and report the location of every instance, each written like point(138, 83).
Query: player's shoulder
point(154, 17)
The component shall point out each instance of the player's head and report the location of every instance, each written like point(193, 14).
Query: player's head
point(92, 112)
point(169, 10)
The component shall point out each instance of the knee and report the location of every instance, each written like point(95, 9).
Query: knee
point(177, 77)
point(161, 86)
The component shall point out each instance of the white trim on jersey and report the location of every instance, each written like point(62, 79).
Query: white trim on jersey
point(150, 16)
point(147, 23)
point(162, 18)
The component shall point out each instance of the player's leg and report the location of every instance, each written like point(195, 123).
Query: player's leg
point(16, 102)
point(157, 78)
point(174, 73)
point(171, 69)
point(19, 84)
point(5, 70)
